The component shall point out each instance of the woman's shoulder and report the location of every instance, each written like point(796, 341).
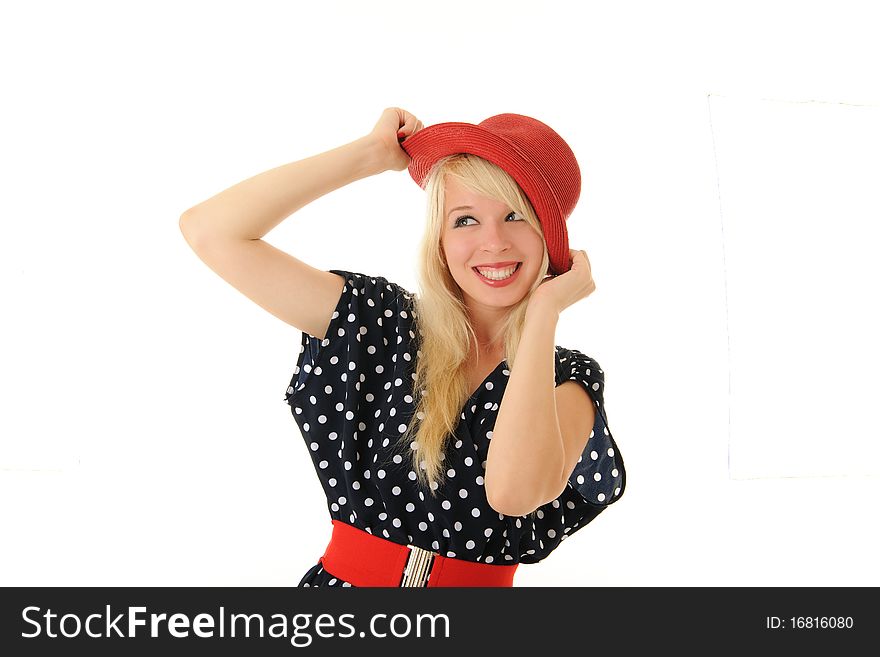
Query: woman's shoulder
point(369, 302)
point(570, 353)
point(575, 364)
point(373, 284)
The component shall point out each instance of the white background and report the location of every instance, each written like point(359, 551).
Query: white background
point(145, 439)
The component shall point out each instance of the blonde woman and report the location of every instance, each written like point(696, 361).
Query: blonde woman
point(453, 438)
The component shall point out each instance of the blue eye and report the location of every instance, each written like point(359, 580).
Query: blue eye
point(467, 216)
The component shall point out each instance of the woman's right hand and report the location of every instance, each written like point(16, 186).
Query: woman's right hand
point(393, 121)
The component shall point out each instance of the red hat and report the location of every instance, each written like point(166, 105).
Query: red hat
point(534, 155)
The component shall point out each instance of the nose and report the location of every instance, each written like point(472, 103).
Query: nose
point(495, 238)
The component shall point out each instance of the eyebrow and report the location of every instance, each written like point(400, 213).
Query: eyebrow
point(465, 207)
point(461, 207)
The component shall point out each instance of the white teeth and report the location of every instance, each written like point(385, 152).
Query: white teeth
point(497, 274)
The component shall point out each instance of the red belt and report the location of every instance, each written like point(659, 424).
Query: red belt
point(363, 559)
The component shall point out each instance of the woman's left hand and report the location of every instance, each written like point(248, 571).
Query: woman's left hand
point(568, 288)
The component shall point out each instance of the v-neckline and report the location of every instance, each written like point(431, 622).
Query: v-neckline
point(488, 376)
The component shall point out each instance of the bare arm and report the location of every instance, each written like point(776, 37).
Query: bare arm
point(226, 230)
point(250, 209)
point(527, 453)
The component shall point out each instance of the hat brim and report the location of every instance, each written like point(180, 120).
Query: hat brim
point(429, 145)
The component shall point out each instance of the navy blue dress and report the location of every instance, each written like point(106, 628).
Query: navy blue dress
point(352, 396)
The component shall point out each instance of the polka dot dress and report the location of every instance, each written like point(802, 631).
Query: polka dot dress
point(352, 396)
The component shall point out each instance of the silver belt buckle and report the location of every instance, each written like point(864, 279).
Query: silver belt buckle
point(418, 566)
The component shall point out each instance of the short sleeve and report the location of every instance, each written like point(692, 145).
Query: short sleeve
point(599, 475)
point(598, 478)
point(370, 326)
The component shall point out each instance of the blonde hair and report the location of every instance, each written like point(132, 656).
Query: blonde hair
point(447, 336)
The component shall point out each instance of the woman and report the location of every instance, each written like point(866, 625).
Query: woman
point(505, 450)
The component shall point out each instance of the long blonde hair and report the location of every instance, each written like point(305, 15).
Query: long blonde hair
point(447, 337)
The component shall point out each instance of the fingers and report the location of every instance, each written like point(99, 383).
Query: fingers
point(580, 253)
point(409, 124)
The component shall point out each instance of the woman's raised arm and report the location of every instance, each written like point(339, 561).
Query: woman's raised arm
point(226, 230)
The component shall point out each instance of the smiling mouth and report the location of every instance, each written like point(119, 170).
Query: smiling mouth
point(492, 272)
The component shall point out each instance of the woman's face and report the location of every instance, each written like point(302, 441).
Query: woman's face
point(481, 232)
